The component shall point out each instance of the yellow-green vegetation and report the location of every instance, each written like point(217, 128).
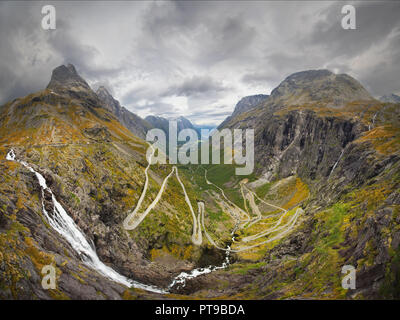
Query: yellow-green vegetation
point(244, 268)
point(263, 190)
point(287, 193)
point(12, 256)
point(180, 252)
point(385, 139)
point(317, 274)
point(300, 194)
point(60, 121)
point(18, 250)
point(357, 110)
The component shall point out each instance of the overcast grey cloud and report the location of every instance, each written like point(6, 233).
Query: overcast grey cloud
point(196, 59)
point(195, 86)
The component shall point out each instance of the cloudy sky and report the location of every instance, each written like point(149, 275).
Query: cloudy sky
point(196, 59)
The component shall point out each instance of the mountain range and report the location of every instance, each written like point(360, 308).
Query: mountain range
point(163, 123)
point(390, 98)
point(324, 194)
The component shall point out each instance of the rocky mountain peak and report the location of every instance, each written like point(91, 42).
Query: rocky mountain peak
point(109, 102)
point(245, 104)
point(103, 92)
point(66, 77)
point(319, 86)
point(249, 102)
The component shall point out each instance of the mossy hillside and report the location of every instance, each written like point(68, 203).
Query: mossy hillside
point(21, 258)
point(362, 111)
point(288, 193)
point(45, 118)
point(28, 254)
point(12, 258)
point(334, 231)
point(217, 221)
point(312, 275)
point(170, 224)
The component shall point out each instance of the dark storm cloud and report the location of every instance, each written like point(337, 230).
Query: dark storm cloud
point(370, 53)
point(12, 52)
point(257, 77)
point(375, 21)
point(64, 43)
point(378, 27)
point(230, 40)
point(29, 50)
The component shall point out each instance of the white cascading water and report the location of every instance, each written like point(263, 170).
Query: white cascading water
point(180, 280)
point(65, 226)
point(336, 163)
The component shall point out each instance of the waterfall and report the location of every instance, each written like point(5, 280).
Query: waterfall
point(373, 122)
point(180, 280)
point(66, 227)
point(336, 163)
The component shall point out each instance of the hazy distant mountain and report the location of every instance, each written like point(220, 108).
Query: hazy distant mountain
point(390, 98)
point(163, 123)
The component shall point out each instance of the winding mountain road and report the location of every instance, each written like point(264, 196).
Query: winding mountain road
point(133, 220)
point(242, 218)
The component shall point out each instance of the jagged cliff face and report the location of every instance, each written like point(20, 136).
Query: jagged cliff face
point(306, 122)
point(109, 101)
point(245, 104)
point(133, 122)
